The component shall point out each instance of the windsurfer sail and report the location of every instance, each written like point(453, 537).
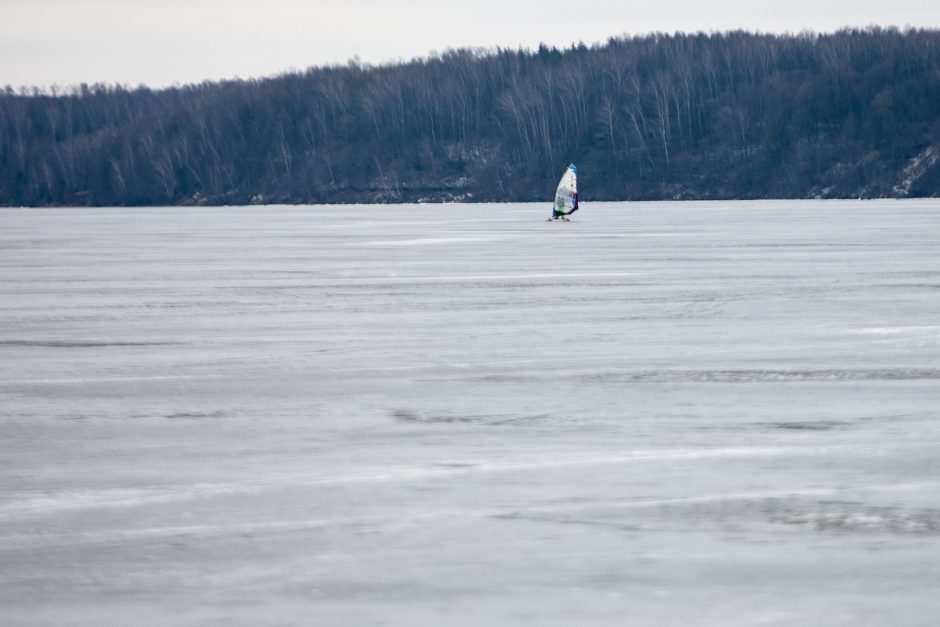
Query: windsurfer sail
point(566, 196)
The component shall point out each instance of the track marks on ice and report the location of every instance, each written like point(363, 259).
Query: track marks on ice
point(767, 375)
point(42, 504)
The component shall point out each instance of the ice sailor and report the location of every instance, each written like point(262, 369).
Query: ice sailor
point(566, 196)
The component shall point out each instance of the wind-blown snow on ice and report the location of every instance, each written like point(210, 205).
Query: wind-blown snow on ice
point(657, 413)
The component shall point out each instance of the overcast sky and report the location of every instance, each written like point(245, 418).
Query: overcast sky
point(159, 42)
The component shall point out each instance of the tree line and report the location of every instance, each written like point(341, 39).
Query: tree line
point(720, 115)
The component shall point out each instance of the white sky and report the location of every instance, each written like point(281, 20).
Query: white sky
point(159, 42)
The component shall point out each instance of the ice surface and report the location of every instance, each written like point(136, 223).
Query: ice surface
point(656, 414)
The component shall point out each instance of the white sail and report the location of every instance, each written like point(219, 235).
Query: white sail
point(566, 196)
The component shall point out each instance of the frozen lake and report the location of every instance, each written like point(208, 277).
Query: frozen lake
point(657, 414)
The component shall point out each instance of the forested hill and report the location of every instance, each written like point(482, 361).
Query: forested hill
point(732, 115)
